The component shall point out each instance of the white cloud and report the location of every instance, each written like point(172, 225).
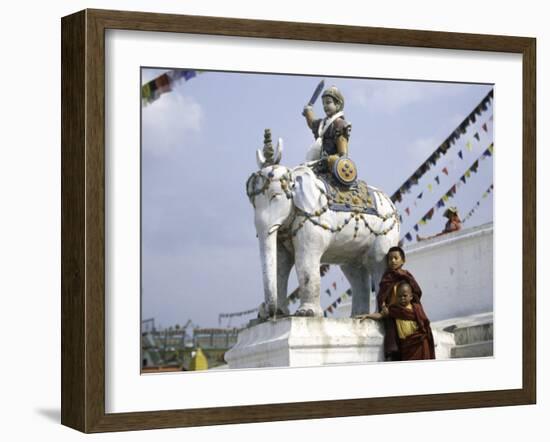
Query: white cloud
point(169, 121)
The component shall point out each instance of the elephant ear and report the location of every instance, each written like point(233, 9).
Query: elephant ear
point(307, 196)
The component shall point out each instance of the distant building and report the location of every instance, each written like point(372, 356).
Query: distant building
point(174, 350)
point(214, 342)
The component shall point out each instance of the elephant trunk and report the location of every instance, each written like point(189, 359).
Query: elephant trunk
point(268, 255)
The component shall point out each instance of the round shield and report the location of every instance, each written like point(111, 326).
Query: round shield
point(345, 171)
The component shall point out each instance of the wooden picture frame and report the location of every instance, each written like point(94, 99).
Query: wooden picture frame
point(83, 220)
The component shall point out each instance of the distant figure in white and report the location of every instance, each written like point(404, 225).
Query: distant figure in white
point(295, 227)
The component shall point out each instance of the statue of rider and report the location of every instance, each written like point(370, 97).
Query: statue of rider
point(331, 133)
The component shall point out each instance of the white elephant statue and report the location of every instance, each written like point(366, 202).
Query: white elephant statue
point(296, 227)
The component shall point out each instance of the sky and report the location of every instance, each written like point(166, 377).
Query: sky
point(200, 255)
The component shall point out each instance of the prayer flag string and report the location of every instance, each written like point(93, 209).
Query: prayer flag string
point(451, 192)
point(333, 306)
point(477, 204)
point(153, 89)
point(444, 147)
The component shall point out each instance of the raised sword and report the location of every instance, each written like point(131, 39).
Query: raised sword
point(316, 93)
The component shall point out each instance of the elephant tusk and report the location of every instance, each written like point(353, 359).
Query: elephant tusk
point(260, 158)
point(273, 229)
point(278, 151)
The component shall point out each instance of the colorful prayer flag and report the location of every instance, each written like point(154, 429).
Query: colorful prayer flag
point(189, 74)
point(146, 91)
point(163, 83)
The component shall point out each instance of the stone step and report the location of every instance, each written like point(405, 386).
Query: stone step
point(472, 335)
point(473, 350)
point(465, 335)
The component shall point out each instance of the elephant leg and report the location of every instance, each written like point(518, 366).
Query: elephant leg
point(375, 268)
point(285, 261)
point(359, 279)
point(309, 279)
point(378, 269)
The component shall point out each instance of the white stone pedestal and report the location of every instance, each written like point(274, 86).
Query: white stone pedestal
point(303, 342)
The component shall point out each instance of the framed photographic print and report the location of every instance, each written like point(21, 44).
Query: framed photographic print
point(258, 219)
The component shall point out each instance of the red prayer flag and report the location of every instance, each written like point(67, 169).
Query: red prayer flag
point(163, 83)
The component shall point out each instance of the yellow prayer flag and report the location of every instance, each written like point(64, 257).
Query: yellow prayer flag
point(146, 91)
point(430, 187)
point(198, 361)
point(469, 145)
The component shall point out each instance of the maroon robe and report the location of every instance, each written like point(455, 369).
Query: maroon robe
point(419, 345)
point(389, 279)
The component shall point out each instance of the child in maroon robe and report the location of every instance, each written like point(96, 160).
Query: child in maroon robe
point(387, 295)
point(411, 325)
